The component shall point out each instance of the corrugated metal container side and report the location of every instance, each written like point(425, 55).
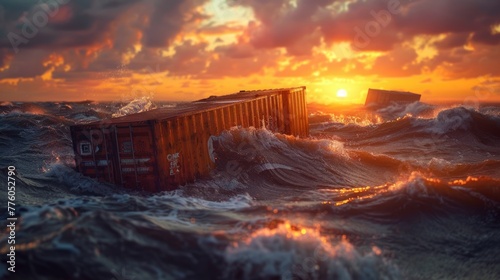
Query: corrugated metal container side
point(161, 149)
point(386, 97)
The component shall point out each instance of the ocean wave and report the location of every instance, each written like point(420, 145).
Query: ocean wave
point(469, 126)
point(289, 252)
point(419, 196)
point(138, 105)
point(276, 206)
point(416, 109)
point(76, 182)
point(445, 168)
point(261, 159)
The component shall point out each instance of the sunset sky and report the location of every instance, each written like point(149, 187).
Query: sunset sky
point(189, 49)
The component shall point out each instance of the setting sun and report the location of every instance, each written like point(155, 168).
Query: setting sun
point(342, 93)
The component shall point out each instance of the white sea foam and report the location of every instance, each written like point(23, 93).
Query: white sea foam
point(180, 200)
point(333, 147)
point(438, 163)
point(76, 181)
point(82, 118)
point(413, 186)
point(290, 252)
point(138, 105)
point(451, 120)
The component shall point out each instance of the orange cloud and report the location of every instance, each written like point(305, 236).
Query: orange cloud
point(174, 47)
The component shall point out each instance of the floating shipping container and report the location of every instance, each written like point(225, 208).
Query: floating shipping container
point(163, 148)
point(378, 97)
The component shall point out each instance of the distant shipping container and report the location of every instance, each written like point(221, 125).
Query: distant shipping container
point(163, 148)
point(378, 97)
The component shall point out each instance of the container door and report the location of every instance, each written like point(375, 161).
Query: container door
point(286, 112)
point(94, 153)
point(136, 157)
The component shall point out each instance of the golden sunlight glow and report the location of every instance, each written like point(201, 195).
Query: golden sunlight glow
point(495, 29)
point(342, 93)
point(232, 46)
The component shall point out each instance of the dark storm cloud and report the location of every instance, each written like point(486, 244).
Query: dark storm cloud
point(284, 25)
point(485, 37)
point(452, 41)
point(28, 65)
point(88, 22)
point(383, 25)
point(189, 59)
point(398, 20)
point(167, 20)
point(237, 50)
point(460, 63)
point(90, 35)
point(435, 17)
point(5, 57)
point(57, 24)
point(96, 35)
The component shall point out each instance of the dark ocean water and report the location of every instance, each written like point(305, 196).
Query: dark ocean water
point(403, 192)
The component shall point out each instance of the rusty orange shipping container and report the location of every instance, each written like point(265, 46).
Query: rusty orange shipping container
point(167, 147)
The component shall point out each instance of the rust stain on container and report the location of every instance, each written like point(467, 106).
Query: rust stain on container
point(161, 149)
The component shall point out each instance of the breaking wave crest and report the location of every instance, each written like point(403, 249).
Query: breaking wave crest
point(138, 105)
point(290, 252)
point(362, 201)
